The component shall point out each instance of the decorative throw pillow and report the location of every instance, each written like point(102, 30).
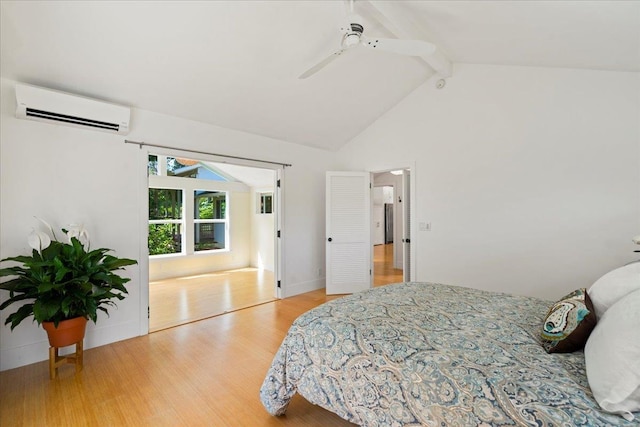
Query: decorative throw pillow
point(613, 286)
point(568, 323)
point(612, 358)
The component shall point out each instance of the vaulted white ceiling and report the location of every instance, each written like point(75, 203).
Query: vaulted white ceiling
point(236, 63)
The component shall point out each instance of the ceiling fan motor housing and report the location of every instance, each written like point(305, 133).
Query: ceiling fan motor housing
point(352, 36)
point(357, 28)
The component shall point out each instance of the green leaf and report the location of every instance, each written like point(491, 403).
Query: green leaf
point(64, 280)
point(17, 317)
point(45, 311)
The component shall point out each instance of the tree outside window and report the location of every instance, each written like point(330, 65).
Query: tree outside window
point(165, 221)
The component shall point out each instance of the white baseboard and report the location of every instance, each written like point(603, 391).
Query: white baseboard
point(301, 288)
point(38, 351)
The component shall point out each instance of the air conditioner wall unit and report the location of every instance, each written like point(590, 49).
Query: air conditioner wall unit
point(35, 103)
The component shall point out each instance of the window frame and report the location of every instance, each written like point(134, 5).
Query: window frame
point(180, 221)
point(224, 220)
point(188, 186)
point(261, 203)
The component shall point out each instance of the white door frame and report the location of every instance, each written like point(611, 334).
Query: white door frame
point(278, 211)
point(412, 215)
point(143, 191)
point(408, 256)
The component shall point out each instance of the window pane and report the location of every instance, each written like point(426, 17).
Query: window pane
point(183, 167)
point(266, 203)
point(209, 236)
point(210, 204)
point(165, 203)
point(165, 239)
point(152, 164)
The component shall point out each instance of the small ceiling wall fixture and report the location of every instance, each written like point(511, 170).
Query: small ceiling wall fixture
point(398, 172)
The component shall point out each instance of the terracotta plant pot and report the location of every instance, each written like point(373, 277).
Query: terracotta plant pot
point(67, 333)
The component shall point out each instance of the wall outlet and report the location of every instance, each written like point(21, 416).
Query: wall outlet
point(319, 272)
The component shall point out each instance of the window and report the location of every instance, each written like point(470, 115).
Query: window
point(186, 216)
point(210, 220)
point(184, 168)
point(152, 165)
point(165, 221)
point(265, 203)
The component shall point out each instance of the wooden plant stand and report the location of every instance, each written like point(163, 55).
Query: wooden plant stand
point(55, 361)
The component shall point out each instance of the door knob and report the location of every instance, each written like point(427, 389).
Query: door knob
point(330, 239)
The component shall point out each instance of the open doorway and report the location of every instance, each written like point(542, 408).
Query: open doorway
point(389, 227)
point(211, 238)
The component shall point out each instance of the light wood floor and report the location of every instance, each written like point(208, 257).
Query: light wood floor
point(205, 373)
point(383, 271)
point(182, 300)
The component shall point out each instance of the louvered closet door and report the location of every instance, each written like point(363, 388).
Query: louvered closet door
point(348, 232)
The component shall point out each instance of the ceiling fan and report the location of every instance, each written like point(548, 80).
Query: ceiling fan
point(352, 37)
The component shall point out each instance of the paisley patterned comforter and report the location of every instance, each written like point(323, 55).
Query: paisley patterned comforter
point(431, 354)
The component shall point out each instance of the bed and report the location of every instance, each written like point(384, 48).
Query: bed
point(425, 354)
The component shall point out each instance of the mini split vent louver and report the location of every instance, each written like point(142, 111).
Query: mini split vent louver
point(35, 103)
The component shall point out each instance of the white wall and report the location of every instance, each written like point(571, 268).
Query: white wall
point(530, 177)
point(64, 174)
point(378, 216)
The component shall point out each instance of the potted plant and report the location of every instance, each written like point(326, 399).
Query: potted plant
point(63, 283)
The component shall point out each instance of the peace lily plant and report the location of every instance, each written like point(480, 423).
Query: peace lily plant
point(62, 280)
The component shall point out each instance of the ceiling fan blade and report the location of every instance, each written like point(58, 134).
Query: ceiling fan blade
point(402, 47)
point(311, 71)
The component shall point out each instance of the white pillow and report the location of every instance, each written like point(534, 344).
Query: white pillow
point(613, 286)
point(612, 358)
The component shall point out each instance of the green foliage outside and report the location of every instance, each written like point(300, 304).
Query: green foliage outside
point(164, 204)
point(163, 240)
point(205, 208)
point(172, 165)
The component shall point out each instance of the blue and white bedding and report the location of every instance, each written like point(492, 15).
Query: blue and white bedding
point(432, 354)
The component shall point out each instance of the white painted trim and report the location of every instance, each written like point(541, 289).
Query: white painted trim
point(143, 220)
point(412, 210)
point(145, 151)
point(38, 351)
point(278, 211)
point(412, 223)
point(159, 181)
point(302, 287)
